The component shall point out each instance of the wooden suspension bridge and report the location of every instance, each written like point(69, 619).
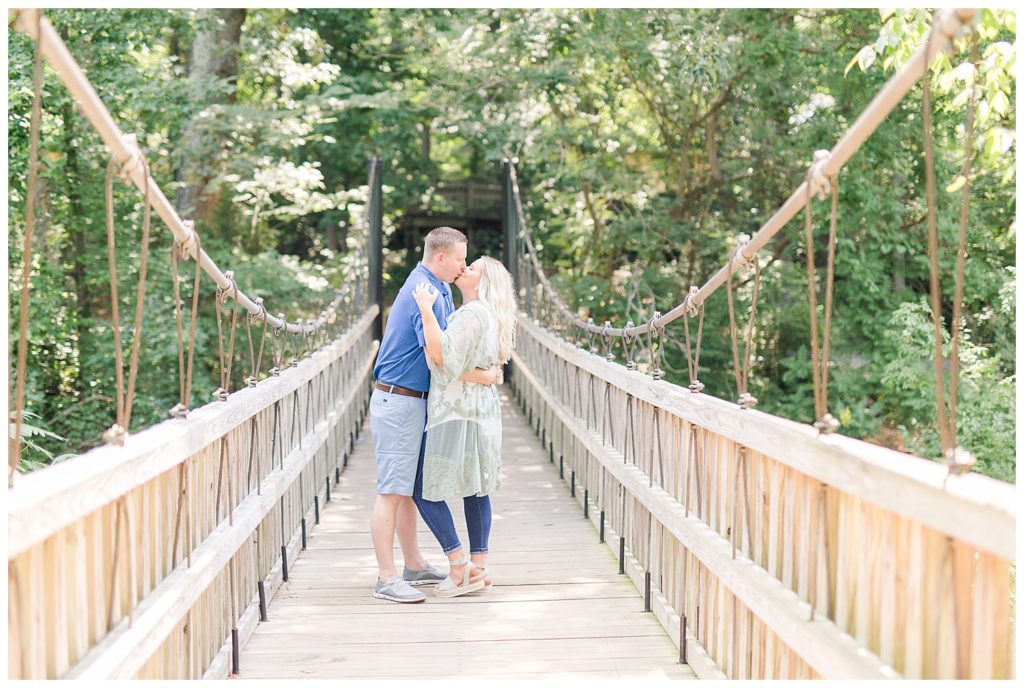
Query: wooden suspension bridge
point(645, 530)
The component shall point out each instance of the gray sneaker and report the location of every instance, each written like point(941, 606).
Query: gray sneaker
point(397, 590)
point(427, 576)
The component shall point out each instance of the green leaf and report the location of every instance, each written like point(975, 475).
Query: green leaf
point(956, 184)
point(864, 57)
point(1001, 103)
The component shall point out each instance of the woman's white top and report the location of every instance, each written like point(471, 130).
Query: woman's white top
point(462, 456)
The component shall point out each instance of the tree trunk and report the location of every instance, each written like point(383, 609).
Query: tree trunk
point(425, 141)
point(213, 63)
point(711, 131)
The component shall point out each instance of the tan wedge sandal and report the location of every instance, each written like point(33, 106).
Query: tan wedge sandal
point(448, 588)
point(483, 569)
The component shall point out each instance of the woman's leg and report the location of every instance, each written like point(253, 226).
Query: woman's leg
point(478, 522)
point(438, 518)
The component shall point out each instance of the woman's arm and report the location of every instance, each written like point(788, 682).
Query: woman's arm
point(425, 298)
point(480, 376)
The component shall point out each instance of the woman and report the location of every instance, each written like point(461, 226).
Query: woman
point(462, 452)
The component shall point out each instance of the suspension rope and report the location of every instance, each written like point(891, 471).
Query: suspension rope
point(14, 458)
point(818, 184)
point(118, 432)
point(50, 47)
point(255, 361)
point(655, 333)
point(742, 372)
point(225, 365)
point(185, 372)
point(693, 359)
point(946, 23)
point(958, 459)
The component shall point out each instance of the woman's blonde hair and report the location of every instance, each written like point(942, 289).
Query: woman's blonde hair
point(496, 290)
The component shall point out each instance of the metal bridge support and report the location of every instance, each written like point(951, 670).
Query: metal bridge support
point(509, 222)
point(375, 247)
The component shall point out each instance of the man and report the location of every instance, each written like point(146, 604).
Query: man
point(398, 416)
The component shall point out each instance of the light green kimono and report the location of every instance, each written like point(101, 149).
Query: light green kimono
point(462, 456)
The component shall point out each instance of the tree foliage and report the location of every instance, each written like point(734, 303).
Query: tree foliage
point(649, 141)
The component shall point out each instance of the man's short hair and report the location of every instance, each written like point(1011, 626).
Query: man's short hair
point(442, 240)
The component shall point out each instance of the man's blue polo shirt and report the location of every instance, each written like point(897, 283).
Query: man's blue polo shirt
point(400, 360)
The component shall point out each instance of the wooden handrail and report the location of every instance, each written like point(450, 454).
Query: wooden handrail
point(851, 560)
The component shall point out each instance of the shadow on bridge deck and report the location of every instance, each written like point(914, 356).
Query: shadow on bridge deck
point(558, 607)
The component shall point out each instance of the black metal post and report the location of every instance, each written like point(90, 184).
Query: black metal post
point(337, 474)
point(586, 502)
point(375, 210)
point(316, 509)
point(622, 554)
point(327, 498)
point(284, 563)
point(509, 221)
point(602, 527)
point(303, 532)
point(262, 590)
point(572, 484)
point(647, 591)
point(235, 652)
point(561, 468)
point(682, 639)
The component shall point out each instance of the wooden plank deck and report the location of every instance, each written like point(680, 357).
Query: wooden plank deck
point(558, 607)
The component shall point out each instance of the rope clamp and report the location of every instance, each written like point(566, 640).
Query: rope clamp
point(696, 386)
point(819, 184)
point(746, 400)
point(222, 292)
point(261, 314)
point(691, 310)
point(127, 166)
point(221, 394)
point(179, 410)
point(115, 434)
point(959, 461)
point(251, 381)
point(186, 246)
point(590, 336)
point(827, 424)
point(627, 344)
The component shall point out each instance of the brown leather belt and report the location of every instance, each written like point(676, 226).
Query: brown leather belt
point(395, 389)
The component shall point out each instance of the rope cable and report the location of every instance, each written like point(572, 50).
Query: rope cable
point(185, 371)
point(819, 183)
point(742, 372)
point(118, 432)
point(947, 22)
point(693, 359)
point(957, 459)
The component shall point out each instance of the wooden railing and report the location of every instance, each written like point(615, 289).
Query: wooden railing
point(153, 560)
point(908, 572)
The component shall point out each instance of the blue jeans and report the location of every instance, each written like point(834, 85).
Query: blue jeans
point(439, 519)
